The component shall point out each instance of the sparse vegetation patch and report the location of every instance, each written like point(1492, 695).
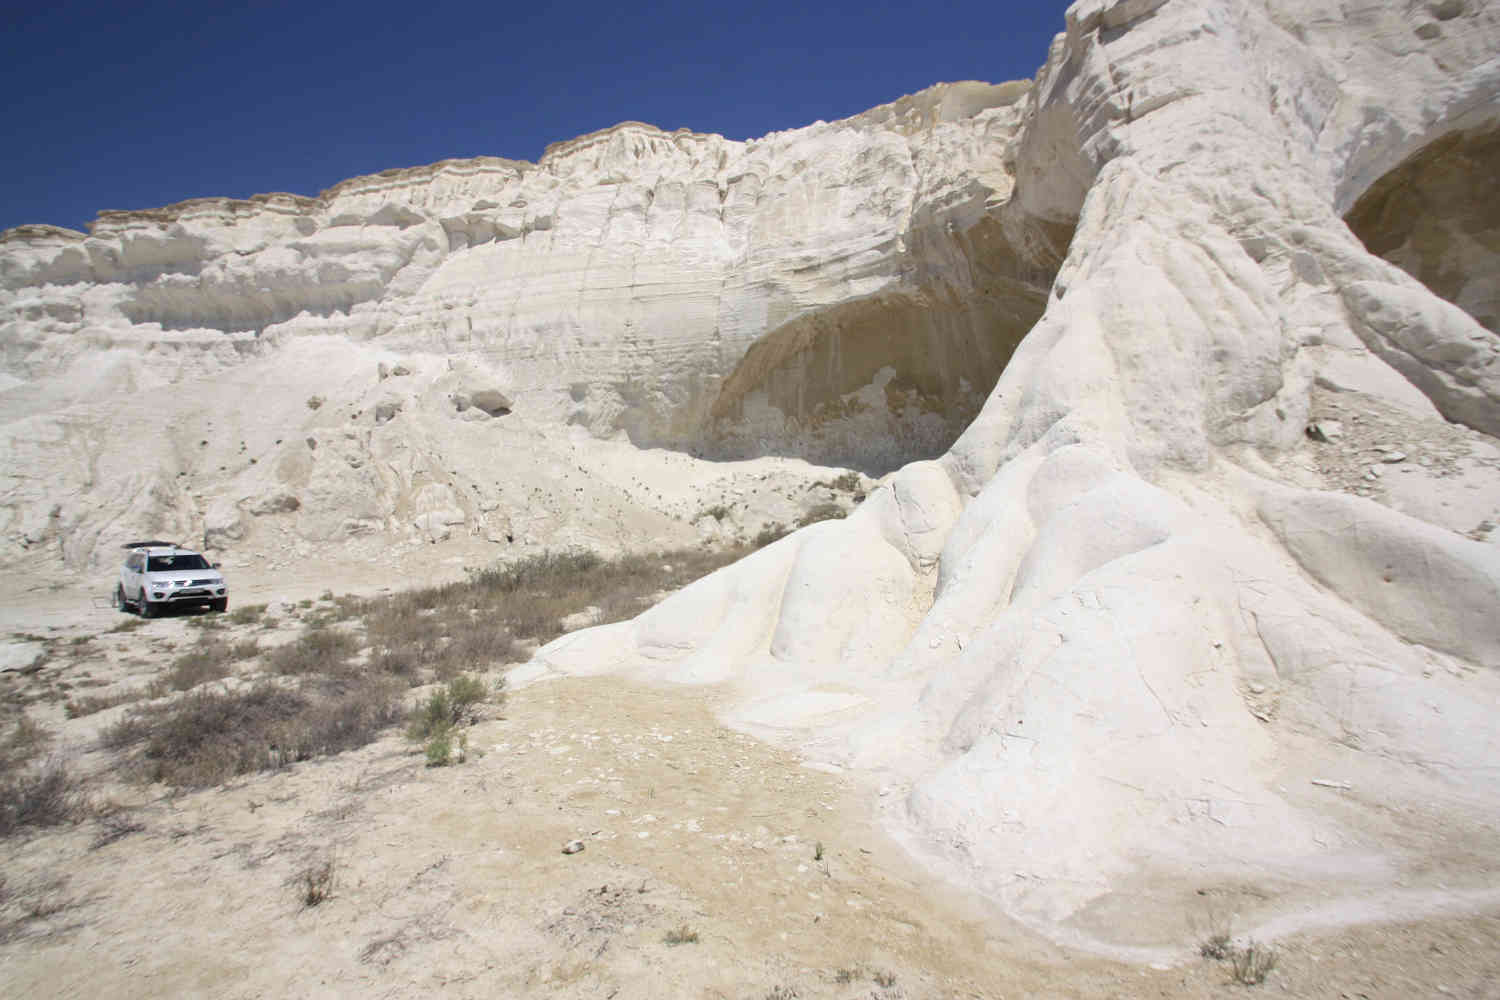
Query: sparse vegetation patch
point(1251, 964)
point(208, 661)
point(436, 722)
point(320, 699)
point(207, 737)
point(38, 797)
point(680, 935)
point(89, 704)
point(314, 882)
point(316, 651)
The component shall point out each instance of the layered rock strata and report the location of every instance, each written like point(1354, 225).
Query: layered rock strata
point(845, 293)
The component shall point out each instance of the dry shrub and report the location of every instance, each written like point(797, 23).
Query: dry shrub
point(770, 533)
point(209, 661)
point(822, 512)
point(24, 743)
point(315, 882)
point(474, 646)
point(207, 737)
point(246, 614)
point(89, 704)
point(680, 935)
point(115, 822)
point(1251, 964)
point(316, 651)
point(38, 797)
point(848, 482)
point(244, 649)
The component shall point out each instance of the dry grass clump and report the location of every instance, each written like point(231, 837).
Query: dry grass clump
point(1251, 964)
point(38, 797)
point(207, 737)
point(822, 512)
point(314, 883)
point(23, 744)
point(89, 704)
point(317, 651)
point(33, 794)
point(208, 661)
point(680, 935)
point(1215, 947)
point(246, 614)
point(847, 482)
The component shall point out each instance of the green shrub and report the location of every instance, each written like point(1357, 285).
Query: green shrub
point(439, 748)
point(437, 721)
point(449, 706)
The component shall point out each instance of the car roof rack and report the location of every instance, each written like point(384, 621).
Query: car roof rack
point(150, 544)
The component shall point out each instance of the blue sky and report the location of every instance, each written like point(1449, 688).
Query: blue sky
point(136, 105)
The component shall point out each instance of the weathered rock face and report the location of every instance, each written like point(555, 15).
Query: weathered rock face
point(1121, 640)
point(620, 281)
point(846, 293)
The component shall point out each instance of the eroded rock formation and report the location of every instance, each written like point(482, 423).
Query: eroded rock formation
point(1131, 634)
point(1117, 644)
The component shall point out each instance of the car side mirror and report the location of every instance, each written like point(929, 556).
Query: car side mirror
point(216, 565)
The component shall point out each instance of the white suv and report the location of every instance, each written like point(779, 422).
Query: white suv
point(158, 575)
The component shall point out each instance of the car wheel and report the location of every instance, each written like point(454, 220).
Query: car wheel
point(119, 599)
point(145, 607)
point(222, 604)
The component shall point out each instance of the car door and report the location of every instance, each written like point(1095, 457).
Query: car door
point(134, 578)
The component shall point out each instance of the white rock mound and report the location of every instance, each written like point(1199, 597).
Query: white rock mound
point(1136, 635)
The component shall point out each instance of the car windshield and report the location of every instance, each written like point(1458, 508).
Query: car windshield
point(183, 560)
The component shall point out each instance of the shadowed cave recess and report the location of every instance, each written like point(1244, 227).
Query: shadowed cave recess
point(877, 382)
point(1437, 216)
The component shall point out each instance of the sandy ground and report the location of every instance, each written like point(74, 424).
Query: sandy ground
point(454, 879)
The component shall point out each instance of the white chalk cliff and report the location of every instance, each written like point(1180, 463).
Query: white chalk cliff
point(1118, 629)
point(845, 293)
